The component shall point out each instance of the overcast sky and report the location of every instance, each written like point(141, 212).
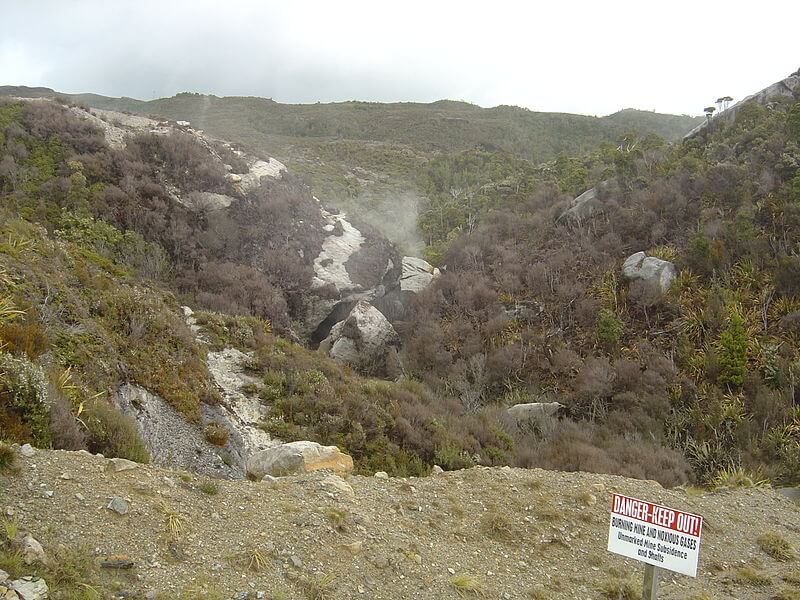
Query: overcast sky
point(591, 57)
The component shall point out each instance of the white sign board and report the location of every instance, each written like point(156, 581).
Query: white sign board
point(654, 534)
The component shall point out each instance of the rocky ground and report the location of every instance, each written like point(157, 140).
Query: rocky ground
point(483, 532)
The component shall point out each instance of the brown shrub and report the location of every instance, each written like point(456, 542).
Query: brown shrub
point(25, 337)
point(216, 434)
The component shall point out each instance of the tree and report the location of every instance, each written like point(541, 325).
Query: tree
point(709, 110)
point(726, 100)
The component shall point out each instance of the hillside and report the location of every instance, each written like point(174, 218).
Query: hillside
point(483, 533)
point(367, 157)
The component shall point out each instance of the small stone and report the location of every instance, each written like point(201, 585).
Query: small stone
point(117, 561)
point(121, 464)
point(296, 562)
point(49, 494)
point(80, 497)
point(3, 575)
point(354, 547)
point(337, 485)
point(241, 596)
point(150, 595)
point(118, 505)
point(65, 476)
point(269, 479)
point(381, 475)
point(32, 551)
point(436, 470)
point(451, 570)
point(27, 451)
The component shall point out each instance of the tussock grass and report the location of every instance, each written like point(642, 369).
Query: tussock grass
point(209, 487)
point(747, 575)
point(8, 460)
point(617, 588)
point(468, 585)
point(497, 526)
point(776, 546)
point(319, 588)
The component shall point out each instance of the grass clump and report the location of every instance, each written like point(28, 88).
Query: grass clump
point(254, 560)
point(617, 588)
point(787, 594)
point(320, 588)
point(73, 573)
point(337, 517)
point(174, 521)
point(792, 578)
point(209, 487)
point(8, 459)
point(114, 434)
point(776, 546)
point(747, 575)
point(497, 526)
point(468, 585)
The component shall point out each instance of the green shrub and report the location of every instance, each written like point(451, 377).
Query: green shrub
point(112, 433)
point(609, 328)
point(733, 346)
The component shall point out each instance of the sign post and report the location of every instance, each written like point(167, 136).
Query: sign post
point(650, 586)
point(661, 537)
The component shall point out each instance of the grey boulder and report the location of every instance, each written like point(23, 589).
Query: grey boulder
point(657, 273)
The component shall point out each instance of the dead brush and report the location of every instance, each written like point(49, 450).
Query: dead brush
point(175, 522)
point(255, 560)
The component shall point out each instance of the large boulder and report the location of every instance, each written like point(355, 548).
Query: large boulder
point(417, 274)
point(365, 340)
point(589, 203)
point(534, 411)
point(656, 273)
point(297, 457)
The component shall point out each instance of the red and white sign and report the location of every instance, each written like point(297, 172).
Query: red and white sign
point(660, 536)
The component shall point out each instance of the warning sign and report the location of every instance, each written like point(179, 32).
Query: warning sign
point(655, 534)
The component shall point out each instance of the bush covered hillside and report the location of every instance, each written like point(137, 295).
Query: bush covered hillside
point(697, 382)
point(691, 380)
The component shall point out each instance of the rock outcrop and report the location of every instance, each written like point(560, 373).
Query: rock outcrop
point(297, 457)
point(534, 411)
point(365, 340)
point(417, 274)
point(656, 273)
